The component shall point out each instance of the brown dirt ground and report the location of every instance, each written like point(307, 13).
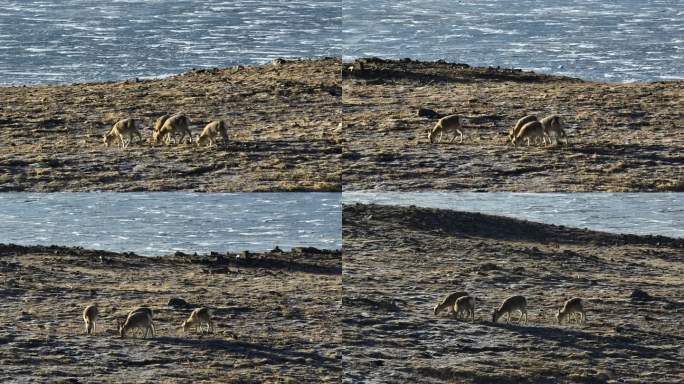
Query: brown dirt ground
point(623, 137)
point(399, 262)
point(283, 127)
point(276, 319)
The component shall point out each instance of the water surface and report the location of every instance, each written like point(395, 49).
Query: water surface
point(71, 41)
point(165, 222)
point(617, 41)
point(635, 213)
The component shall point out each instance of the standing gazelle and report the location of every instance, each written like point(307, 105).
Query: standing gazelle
point(90, 316)
point(571, 309)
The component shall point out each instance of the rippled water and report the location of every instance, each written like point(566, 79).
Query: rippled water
point(162, 223)
point(86, 40)
point(636, 213)
point(621, 41)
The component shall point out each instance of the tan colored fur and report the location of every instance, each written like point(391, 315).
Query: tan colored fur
point(552, 127)
point(174, 125)
point(212, 131)
point(90, 317)
point(122, 129)
point(159, 123)
point(140, 319)
point(446, 124)
point(510, 305)
point(448, 302)
point(198, 317)
point(519, 124)
point(465, 304)
point(531, 131)
point(572, 307)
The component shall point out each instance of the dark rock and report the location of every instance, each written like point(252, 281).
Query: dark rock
point(219, 258)
point(488, 267)
point(383, 304)
point(429, 113)
point(305, 250)
point(177, 303)
point(639, 295)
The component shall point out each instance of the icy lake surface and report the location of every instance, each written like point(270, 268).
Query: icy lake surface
point(71, 41)
point(616, 41)
point(162, 223)
point(635, 213)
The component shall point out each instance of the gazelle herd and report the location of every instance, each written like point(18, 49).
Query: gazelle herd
point(459, 303)
point(167, 129)
point(529, 129)
point(141, 318)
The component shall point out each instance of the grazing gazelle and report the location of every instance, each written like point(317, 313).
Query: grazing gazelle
point(140, 318)
point(122, 129)
point(519, 124)
point(198, 317)
point(174, 125)
point(451, 123)
point(212, 131)
point(448, 302)
point(510, 305)
point(159, 123)
point(572, 308)
point(531, 131)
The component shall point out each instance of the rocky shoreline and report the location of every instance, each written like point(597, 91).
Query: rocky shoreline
point(622, 137)
point(276, 315)
point(282, 123)
point(400, 261)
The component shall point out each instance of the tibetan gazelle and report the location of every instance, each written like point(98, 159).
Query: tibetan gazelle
point(519, 124)
point(510, 305)
point(571, 309)
point(212, 131)
point(140, 318)
point(159, 123)
point(451, 123)
point(465, 304)
point(449, 302)
point(552, 127)
point(90, 317)
point(531, 131)
point(198, 317)
point(122, 129)
point(175, 125)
